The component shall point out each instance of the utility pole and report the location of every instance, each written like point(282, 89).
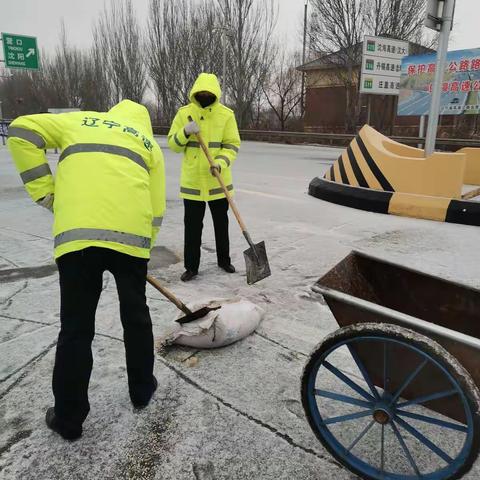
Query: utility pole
point(224, 64)
point(302, 101)
point(225, 31)
point(439, 17)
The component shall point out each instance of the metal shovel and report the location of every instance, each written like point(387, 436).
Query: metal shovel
point(256, 261)
point(189, 315)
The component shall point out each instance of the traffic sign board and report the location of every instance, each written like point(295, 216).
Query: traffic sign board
point(20, 51)
point(381, 65)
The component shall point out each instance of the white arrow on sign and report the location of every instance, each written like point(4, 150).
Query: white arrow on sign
point(31, 51)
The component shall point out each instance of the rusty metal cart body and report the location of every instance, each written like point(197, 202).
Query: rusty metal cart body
point(393, 395)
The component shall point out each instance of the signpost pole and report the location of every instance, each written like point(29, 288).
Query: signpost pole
point(302, 92)
point(1, 124)
point(421, 130)
point(369, 109)
point(394, 115)
point(447, 17)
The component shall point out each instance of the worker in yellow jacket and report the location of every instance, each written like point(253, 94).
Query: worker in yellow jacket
point(198, 184)
point(108, 200)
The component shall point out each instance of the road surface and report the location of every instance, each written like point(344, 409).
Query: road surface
point(233, 413)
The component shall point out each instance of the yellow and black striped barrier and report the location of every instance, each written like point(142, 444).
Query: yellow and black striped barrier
point(362, 169)
point(396, 203)
point(377, 174)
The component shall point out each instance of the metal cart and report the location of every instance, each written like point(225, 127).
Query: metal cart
point(392, 394)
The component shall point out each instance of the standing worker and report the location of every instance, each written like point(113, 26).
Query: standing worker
point(198, 184)
point(108, 199)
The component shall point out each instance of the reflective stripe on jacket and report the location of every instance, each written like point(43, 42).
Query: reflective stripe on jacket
point(109, 186)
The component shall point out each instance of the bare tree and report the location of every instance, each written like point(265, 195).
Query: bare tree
point(97, 87)
point(283, 88)
point(251, 50)
point(182, 43)
point(59, 83)
point(17, 95)
point(336, 25)
point(336, 30)
point(117, 34)
point(402, 19)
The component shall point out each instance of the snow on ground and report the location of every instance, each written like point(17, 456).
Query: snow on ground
point(232, 413)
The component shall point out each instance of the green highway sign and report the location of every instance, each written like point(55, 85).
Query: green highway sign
point(20, 51)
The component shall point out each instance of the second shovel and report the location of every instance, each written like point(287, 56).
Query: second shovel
point(256, 261)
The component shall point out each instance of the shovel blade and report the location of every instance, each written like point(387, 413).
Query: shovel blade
point(256, 262)
point(196, 315)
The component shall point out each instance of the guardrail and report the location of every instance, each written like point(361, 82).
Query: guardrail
point(344, 138)
point(338, 139)
point(333, 139)
point(4, 123)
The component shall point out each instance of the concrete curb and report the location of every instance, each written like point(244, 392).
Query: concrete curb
point(404, 204)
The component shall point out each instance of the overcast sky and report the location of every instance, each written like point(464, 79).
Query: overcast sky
point(42, 18)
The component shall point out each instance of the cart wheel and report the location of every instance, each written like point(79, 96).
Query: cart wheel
point(365, 391)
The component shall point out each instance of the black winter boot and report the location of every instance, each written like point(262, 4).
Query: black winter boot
point(228, 268)
point(65, 432)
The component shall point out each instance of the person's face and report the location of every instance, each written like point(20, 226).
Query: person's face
point(205, 98)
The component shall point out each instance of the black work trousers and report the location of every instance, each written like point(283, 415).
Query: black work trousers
point(193, 220)
point(80, 287)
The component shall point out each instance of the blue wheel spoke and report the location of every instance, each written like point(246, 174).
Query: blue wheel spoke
point(405, 449)
point(364, 372)
point(427, 398)
point(434, 421)
point(342, 398)
point(345, 418)
point(408, 380)
point(348, 381)
point(423, 439)
point(362, 434)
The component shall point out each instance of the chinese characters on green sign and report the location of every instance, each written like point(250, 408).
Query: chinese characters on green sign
point(20, 51)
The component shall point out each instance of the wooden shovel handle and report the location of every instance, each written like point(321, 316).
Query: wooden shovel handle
point(220, 181)
point(179, 304)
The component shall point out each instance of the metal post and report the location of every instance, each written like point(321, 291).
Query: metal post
point(302, 101)
point(447, 16)
point(224, 65)
point(421, 130)
point(225, 31)
point(2, 126)
point(394, 114)
point(369, 109)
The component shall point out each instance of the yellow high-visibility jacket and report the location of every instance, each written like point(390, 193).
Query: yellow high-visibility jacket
point(218, 128)
point(109, 186)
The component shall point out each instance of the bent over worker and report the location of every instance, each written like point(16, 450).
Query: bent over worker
point(108, 200)
point(198, 184)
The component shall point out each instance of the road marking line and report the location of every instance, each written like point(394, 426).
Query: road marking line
point(268, 195)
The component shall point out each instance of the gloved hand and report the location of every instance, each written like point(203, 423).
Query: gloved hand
point(216, 167)
point(191, 127)
point(47, 202)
